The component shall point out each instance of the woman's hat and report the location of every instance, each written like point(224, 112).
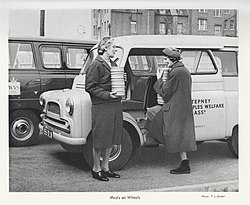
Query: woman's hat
point(172, 53)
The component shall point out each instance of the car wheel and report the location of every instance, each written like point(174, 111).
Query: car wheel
point(233, 142)
point(23, 130)
point(120, 154)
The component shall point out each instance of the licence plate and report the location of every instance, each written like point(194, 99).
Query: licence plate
point(48, 132)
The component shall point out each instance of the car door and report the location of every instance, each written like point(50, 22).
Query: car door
point(74, 57)
point(51, 66)
point(208, 95)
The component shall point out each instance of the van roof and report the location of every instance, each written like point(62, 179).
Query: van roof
point(179, 41)
point(57, 40)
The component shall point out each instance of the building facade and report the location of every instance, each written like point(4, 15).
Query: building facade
point(119, 22)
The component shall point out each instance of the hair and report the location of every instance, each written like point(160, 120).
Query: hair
point(104, 43)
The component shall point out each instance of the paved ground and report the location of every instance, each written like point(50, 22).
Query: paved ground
point(48, 168)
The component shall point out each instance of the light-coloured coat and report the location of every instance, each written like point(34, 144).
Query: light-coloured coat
point(173, 125)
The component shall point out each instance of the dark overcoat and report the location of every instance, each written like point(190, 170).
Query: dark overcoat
point(173, 125)
point(107, 119)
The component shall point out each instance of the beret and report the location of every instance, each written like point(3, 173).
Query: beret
point(172, 53)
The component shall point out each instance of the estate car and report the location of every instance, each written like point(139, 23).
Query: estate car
point(37, 65)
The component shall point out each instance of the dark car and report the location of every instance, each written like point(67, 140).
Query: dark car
point(37, 65)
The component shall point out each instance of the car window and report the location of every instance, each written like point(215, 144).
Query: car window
point(21, 56)
point(75, 57)
point(51, 57)
point(146, 61)
point(198, 62)
point(227, 62)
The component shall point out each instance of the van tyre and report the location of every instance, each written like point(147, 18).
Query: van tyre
point(23, 128)
point(233, 142)
point(120, 154)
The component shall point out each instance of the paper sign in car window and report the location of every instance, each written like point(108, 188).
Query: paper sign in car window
point(14, 88)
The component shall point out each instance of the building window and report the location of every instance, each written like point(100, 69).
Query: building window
point(217, 13)
point(179, 11)
point(202, 11)
point(162, 29)
point(231, 26)
point(105, 27)
point(94, 31)
point(217, 30)
point(180, 28)
point(226, 11)
point(133, 27)
point(102, 28)
point(202, 24)
point(134, 10)
point(94, 13)
point(162, 11)
point(225, 25)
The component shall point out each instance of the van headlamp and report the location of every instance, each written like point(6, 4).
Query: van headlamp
point(69, 106)
point(42, 100)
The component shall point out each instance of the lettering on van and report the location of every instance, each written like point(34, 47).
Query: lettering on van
point(201, 106)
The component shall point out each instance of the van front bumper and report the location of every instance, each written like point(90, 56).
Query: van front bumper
point(61, 138)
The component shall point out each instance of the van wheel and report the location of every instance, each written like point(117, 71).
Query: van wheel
point(120, 154)
point(233, 142)
point(23, 128)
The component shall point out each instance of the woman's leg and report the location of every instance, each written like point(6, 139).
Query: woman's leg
point(105, 165)
point(106, 154)
point(183, 155)
point(96, 158)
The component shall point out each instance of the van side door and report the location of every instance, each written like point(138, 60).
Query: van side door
point(208, 95)
point(50, 66)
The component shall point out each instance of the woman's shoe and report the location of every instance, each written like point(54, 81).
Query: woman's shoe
point(99, 176)
point(183, 169)
point(110, 174)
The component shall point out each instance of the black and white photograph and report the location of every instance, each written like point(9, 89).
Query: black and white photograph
point(124, 101)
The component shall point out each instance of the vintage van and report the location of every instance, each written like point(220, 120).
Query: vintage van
point(37, 65)
point(212, 62)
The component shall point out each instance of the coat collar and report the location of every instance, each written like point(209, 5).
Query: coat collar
point(177, 64)
point(102, 61)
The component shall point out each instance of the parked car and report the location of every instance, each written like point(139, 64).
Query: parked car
point(212, 62)
point(37, 65)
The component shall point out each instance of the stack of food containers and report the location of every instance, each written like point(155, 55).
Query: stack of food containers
point(117, 81)
point(164, 79)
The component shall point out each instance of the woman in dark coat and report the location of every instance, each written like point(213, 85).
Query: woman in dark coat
point(173, 124)
point(107, 119)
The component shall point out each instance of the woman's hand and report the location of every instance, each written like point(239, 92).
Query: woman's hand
point(159, 73)
point(113, 95)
